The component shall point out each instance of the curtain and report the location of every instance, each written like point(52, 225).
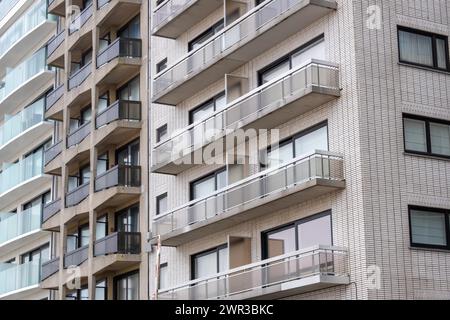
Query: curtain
point(416, 48)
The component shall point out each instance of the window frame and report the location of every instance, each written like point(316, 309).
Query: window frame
point(159, 131)
point(204, 253)
point(211, 29)
point(204, 178)
point(161, 64)
point(127, 211)
point(204, 104)
point(116, 279)
point(158, 199)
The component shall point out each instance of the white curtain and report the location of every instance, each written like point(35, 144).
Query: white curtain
point(428, 228)
point(440, 138)
point(416, 48)
point(415, 135)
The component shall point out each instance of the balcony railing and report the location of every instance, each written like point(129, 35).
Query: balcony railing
point(119, 110)
point(244, 110)
point(101, 3)
point(52, 152)
point(49, 268)
point(6, 6)
point(118, 243)
point(18, 276)
point(81, 19)
point(22, 171)
point(14, 225)
point(320, 165)
point(54, 96)
point(121, 47)
point(76, 257)
point(55, 42)
point(79, 134)
point(264, 277)
point(21, 122)
point(237, 32)
point(78, 77)
point(51, 209)
point(169, 9)
point(77, 195)
point(120, 175)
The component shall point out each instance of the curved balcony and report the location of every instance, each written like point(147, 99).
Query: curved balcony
point(290, 274)
point(54, 104)
point(116, 12)
point(15, 279)
point(55, 50)
point(244, 39)
point(173, 17)
point(293, 93)
point(50, 218)
point(17, 131)
point(301, 179)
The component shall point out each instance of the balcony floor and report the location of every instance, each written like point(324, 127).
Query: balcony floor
point(114, 197)
point(117, 12)
point(16, 243)
point(117, 71)
point(117, 132)
point(115, 262)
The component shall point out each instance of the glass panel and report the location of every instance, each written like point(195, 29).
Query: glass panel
point(102, 163)
point(281, 242)
point(72, 242)
point(205, 265)
point(441, 48)
point(428, 228)
point(84, 294)
point(223, 259)
point(203, 188)
point(274, 72)
point(133, 287)
point(103, 102)
point(163, 277)
point(131, 30)
point(415, 135)
point(416, 48)
point(440, 138)
point(315, 232)
point(314, 51)
point(84, 236)
point(309, 143)
point(100, 228)
point(162, 204)
point(100, 290)
point(202, 112)
point(283, 154)
point(222, 180)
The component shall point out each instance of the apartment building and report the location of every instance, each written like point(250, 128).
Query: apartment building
point(98, 158)
point(353, 202)
point(25, 27)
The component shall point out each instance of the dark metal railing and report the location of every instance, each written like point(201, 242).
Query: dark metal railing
point(77, 195)
point(49, 268)
point(53, 97)
point(119, 110)
point(51, 209)
point(79, 134)
point(101, 3)
point(55, 42)
point(121, 47)
point(78, 77)
point(120, 175)
point(52, 152)
point(81, 19)
point(76, 257)
point(118, 242)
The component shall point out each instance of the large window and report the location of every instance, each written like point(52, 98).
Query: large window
point(78, 239)
point(429, 228)
point(426, 136)
point(210, 262)
point(208, 108)
point(101, 290)
point(126, 287)
point(202, 38)
point(423, 48)
point(79, 294)
point(302, 234)
point(129, 154)
point(132, 30)
point(209, 184)
point(161, 203)
point(38, 255)
point(130, 91)
point(127, 220)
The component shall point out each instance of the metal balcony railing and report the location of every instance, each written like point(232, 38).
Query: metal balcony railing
point(14, 225)
point(79, 134)
point(121, 47)
point(49, 268)
point(286, 87)
point(18, 276)
point(77, 195)
point(101, 3)
point(51, 209)
point(120, 175)
point(119, 110)
point(81, 19)
point(76, 257)
point(265, 275)
point(78, 77)
point(54, 96)
point(168, 9)
point(320, 165)
point(55, 42)
point(118, 243)
point(52, 152)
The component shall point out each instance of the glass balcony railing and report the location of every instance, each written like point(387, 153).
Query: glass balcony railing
point(81, 19)
point(19, 123)
point(6, 6)
point(18, 276)
point(17, 76)
point(266, 276)
point(101, 3)
point(34, 16)
point(13, 225)
point(19, 172)
point(168, 9)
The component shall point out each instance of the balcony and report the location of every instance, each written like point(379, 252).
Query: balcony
point(78, 135)
point(117, 251)
point(173, 17)
point(19, 228)
point(294, 273)
point(76, 257)
point(57, 7)
point(112, 13)
point(18, 280)
point(50, 218)
point(301, 179)
point(32, 75)
point(55, 104)
point(80, 20)
point(55, 50)
point(118, 123)
point(119, 61)
point(52, 159)
point(294, 93)
point(6, 7)
point(255, 32)
point(78, 145)
point(48, 269)
point(77, 195)
point(77, 78)
point(116, 186)
point(18, 130)
point(26, 33)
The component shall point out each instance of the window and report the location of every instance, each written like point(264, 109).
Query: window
point(103, 102)
point(129, 154)
point(423, 49)
point(101, 290)
point(82, 177)
point(302, 234)
point(163, 276)
point(130, 91)
point(101, 228)
point(304, 143)
point(38, 202)
point(161, 133)
point(131, 30)
point(429, 228)
point(202, 38)
point(205, 186)
point(209, 262)
point(161, 204)
point(160, 66)
point(79, 294)
point(127, 220)
point(208, 108)
point(126, 287)
point(102, 163)
point(38, 255)
point(426, 136)
point(78, 239)
point(313, 49)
